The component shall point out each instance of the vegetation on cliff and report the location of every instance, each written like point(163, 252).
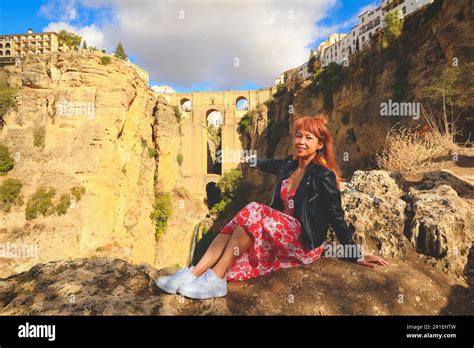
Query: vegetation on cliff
point(6, 161)
point(10, 194)
point(161, 213)
point(231, 186)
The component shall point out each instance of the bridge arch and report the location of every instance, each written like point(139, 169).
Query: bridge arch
point(241, 103)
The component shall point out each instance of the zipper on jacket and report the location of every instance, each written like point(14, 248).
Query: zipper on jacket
point(305, 220)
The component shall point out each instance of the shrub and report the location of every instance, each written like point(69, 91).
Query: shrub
point(40, 203)
point(180, 159)
point(78, 192)
point(327, 80)
point(10, 194)
point(38, 136)
point(6, 162)
point(162, 210)
point(106, 60)
point(230, 186)
point(152, 152)
point(63, 205)
point(245, 123)
point(407, 149)
point(7, 100)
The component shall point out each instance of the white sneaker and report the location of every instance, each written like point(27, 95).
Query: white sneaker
point(170, 284)
point(208, 285)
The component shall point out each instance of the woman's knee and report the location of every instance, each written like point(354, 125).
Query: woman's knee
point(242, 234)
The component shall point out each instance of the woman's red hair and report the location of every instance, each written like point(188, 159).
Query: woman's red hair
point(317, 127)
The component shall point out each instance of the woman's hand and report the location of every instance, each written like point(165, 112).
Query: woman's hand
point(372, 261)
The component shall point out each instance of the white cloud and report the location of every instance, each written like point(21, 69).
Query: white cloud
point(367, 7)
point(224, 43)
point(90, 33)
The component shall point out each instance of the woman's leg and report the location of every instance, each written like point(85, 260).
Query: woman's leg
point(240, 241)
point(212, 254)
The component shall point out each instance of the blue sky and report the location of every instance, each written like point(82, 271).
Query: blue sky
point(188, 57)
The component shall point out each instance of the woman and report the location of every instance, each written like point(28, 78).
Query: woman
point(291, 231)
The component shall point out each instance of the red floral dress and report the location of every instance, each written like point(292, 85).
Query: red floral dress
point(276, 235)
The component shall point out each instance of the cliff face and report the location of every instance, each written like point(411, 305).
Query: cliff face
point(78, 123)
point(430, 41)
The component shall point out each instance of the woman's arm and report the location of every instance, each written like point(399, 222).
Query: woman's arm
point(332, 197)
point(265, 164)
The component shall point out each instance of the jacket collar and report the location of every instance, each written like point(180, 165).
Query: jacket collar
point(310, 169)
point(292, 164)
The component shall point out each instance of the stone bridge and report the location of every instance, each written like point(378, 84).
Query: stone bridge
point(223, 110)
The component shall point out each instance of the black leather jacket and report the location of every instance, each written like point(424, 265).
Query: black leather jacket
point(317, 201)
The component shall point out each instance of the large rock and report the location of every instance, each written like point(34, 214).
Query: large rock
point(441, 226)
point(35, 75)
point(108, 286)
point(376, 212)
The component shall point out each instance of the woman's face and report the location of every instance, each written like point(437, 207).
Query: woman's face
point(305, 144)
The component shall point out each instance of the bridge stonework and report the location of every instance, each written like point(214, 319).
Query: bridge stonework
point(194, 131)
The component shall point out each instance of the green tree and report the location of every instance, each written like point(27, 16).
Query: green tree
point(454, 85)
point(84, 45)
point(393, 25)
point(71, 40)
point(120, 52)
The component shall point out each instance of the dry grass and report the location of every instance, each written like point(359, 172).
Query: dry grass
point(409, 149)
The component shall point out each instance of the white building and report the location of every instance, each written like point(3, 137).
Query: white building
point(331, 48)
point(163, 89)
point(339, 47)
point(369, 23)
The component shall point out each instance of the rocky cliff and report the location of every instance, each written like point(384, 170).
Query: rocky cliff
point(79, 123)
point(431, 39)
point(123, 150)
